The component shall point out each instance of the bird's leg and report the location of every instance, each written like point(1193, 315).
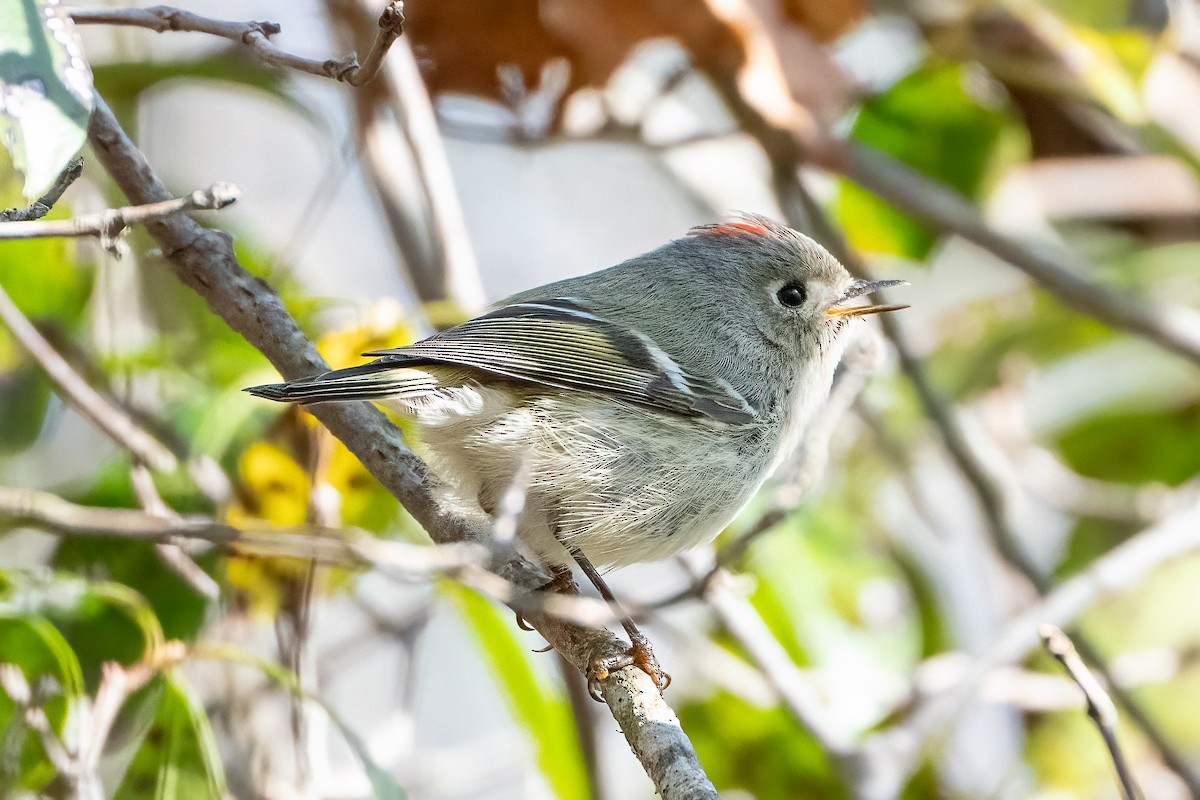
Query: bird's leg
point(561, 583)
point(640, 654)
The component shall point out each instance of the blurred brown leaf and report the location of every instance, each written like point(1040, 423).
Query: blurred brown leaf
point(460, 43)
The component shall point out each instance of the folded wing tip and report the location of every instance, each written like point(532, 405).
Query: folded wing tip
point(270, 391)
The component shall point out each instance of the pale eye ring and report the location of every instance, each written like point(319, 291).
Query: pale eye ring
point(791, 295)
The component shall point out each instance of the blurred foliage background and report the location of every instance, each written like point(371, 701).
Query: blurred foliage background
point(1000, 455)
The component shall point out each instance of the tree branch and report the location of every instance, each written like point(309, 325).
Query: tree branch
point(391, 26)
point(203, 259)
point(256, 36)
point(403, 155)
point(108, 225)
point(1100, 706)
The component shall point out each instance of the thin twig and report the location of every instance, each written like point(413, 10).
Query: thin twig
point(1100, 706)
point(116, 684)
point(256, 36)
point(98, 409)
point(41, 207)
point(391, 26)
point(109, 225)
point(51, 512)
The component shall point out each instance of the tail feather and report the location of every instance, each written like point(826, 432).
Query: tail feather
point(366, 382)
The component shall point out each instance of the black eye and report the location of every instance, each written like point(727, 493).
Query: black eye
point(791, 295)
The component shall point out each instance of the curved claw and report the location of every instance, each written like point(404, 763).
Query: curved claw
point(601, 669)
point(521, 623)
point(594, 689)
point(639, 655)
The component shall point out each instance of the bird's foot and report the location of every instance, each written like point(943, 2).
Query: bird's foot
point(640, 654)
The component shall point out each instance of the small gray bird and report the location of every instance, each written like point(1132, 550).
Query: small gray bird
point(646, 402)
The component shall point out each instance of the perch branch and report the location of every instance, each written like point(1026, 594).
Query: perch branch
point(203, 260)
point(1100, 706)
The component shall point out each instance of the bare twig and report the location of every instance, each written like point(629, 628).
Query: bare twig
point(109, 225)
point(116, 684)
point(78, 765)
point(50, 512)
point(254, 35)
point(41, 207)
point(1100, 706)
point(99, 410)
point(391, 26)
point(347, 548)
point(257, 37)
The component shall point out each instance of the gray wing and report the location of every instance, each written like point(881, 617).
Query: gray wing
point(559, 343)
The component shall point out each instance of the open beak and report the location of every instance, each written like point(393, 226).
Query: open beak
point(857, 289)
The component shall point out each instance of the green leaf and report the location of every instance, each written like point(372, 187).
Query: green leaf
point(44, 277)
point(931, 121)
point(178, 607)
point(1136, 446)
point(545, 714)
point(33, 645)
point(45, 90)
point(761, 751)
point(102, 621)
point(24, 400)
point(177, 759)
